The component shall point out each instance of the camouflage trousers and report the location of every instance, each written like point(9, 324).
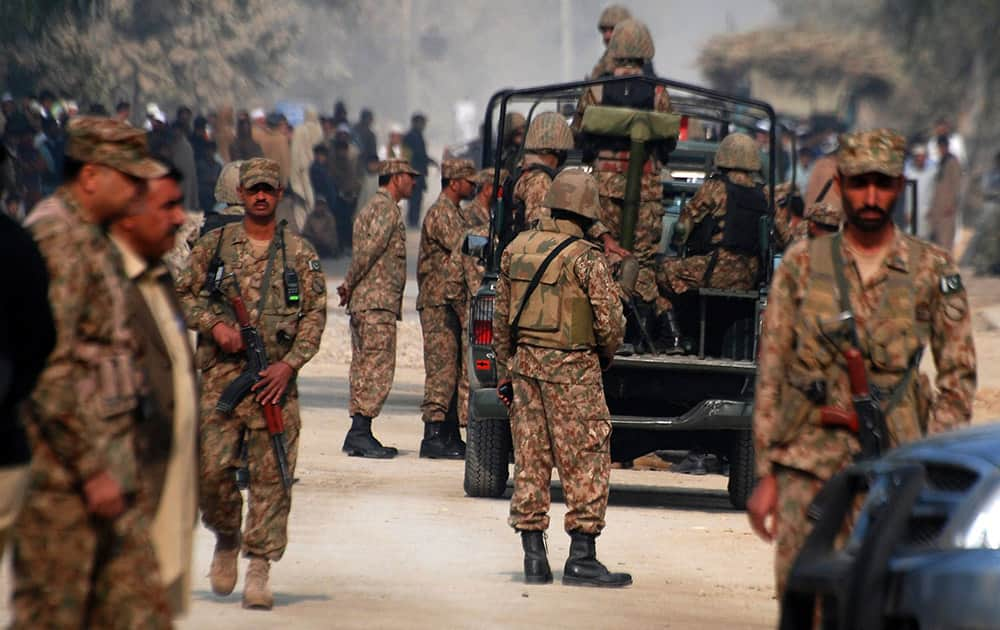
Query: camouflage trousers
point(373, 360)
point(442, 362)
point(265, 532)
point(648, 233)
point(675, 276)
point(72, 570)
point(566, 425)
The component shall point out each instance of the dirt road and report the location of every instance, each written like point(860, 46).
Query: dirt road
point(396, 544)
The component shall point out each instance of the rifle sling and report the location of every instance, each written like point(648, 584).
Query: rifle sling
point(534, 283)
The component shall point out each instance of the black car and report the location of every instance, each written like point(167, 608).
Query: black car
point(924, 550)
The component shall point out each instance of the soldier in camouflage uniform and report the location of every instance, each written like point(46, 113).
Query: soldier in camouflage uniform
point(788, 211)
point(610, 17)
point(444, 226)
point(905, 294)
point(630, 47)
point(228, 205)
point(553, 343)
point(290, 326)
point(718, 231)
point(82, 550)
point(373, 295)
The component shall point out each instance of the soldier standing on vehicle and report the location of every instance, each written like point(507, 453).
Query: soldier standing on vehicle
point(372, 291)
point(630, 47)
point(441, 233)
point(278, 275)
point(82, 550)
point(551, 341)
point(904, 294)
point(610, 17)
point(718, 230)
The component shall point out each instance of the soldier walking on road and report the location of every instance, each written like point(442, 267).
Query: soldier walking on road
point(904, 294)
point(280, 279)
point(82, 550)
point(373, 295)
point(551, 341)
point(442, 231)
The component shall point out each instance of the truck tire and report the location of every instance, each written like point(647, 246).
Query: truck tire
point(741, 469)
point(487, 454)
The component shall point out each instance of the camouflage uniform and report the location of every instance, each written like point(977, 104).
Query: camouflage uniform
point(443, 229)
point(291, 334)
point(571, 323)
point(610, 17)
point(73, 569)
point(610, 170)
point(376, 280)
point(914, 299)
point(732, 270)
point(785, 221)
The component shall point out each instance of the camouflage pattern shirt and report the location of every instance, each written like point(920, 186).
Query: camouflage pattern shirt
point(291, 331)
point(377, 275)
point(82, 410)
point(710, 200)
point(933, 300)
point(442, 232)
point(548, 364)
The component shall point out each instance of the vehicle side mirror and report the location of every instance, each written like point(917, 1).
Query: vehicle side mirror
point(474, 245)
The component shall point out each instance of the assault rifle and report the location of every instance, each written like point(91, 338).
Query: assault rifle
point(236, 391)
point(866, 420)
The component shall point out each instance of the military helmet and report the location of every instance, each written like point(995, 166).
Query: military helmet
point(612, 15)
point(631, 40)
point(549, 130)
point(225, 186)
point(514, 121)
point(738, 151)
point(575, 191)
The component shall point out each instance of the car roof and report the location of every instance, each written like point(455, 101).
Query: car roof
point(981, 441)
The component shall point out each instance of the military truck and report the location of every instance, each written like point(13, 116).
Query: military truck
point(700, 400)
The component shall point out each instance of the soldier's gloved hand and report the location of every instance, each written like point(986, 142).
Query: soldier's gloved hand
point(104, 496)
point(505, 392)
point(228, 338)
point(611, 246)
point(762, 508)
point(344, 293)
point(273, 383)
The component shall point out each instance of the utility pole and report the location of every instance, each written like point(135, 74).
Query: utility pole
point(566, 39)
point(406, 51)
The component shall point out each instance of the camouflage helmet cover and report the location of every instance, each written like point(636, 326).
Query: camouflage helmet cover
point(575, 191)
point(612, 15)
point(225, 186)
point(738, 151)
point(549, 130)
point(631, 40)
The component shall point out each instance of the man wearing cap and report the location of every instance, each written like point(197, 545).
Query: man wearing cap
point(904, 294)
point(610, 17)
point(82, 550)
point(821, 218)
point(278, 275)
point(372, 291)
point(551, 343)
point(442, 231)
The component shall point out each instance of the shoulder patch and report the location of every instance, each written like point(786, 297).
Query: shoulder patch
point(314, 265)
point(951, 284)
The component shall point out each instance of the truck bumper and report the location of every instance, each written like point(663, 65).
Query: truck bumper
point(708, 415)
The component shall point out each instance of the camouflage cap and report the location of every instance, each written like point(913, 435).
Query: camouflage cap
point(259, 171)
point(824, 213)
point(395, 165)
point(485, 176)
point(875, 151)
point(228, 182)
point(458, 169)
point(97, 140)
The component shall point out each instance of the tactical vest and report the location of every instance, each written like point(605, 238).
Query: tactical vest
point(744, 208)
point(892, 342)
point(558, 313)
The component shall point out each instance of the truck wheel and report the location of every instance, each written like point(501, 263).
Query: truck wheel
point(741, 469)
point(487, 453)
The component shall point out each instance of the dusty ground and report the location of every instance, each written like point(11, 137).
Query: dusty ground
point(396, 544)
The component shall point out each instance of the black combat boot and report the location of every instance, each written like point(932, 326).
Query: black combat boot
point(670, 340)
point(454, 435)
point(436, 444)
point(583, 568)
point(361, 443)
point(536, 562)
